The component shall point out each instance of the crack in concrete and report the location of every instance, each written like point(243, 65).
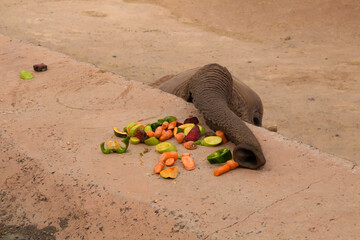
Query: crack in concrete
point(264, 208)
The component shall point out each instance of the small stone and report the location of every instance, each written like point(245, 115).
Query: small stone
point(272, 128)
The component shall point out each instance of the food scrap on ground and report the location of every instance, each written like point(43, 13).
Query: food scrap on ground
point(220, 156)
point(229, 165)
point(171, 172)
point(41, 67)
point(26, 75)
point(189, 133)
point(188, 162)
point(114, 146)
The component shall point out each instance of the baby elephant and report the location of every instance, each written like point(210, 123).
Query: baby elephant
point(225, 103)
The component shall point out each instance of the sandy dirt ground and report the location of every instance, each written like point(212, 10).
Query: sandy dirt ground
point(56, 184)
point(301, 57)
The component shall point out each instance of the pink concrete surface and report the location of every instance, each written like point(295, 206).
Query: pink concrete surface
point(53, 172)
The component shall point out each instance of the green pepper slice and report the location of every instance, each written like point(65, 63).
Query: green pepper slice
point(220, 156)
point(154, 126)
point(117, 150)
point(105, 151)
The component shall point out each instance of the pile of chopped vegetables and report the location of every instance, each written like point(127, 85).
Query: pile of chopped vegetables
point(189, 133)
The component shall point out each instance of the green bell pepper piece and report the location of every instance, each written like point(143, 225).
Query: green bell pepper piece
point(105, 151)
point(170, 119)
point(119, 149)
point(220, 156)
point(154, 126)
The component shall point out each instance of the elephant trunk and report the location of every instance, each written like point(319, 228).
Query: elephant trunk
point(211, 93)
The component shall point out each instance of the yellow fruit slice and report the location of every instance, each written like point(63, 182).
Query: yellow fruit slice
point(186, 125)
point(211, 141)
point(165, 147)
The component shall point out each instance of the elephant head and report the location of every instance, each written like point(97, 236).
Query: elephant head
point(225, 106)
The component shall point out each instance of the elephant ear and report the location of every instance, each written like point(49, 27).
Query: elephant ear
point(246, 103)
point(179, 84)
point(160, 81)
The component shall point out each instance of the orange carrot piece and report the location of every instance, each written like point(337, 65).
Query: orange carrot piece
point(221, 170)
point(185, 155)
point(232, 164)
point(166, 135)
point(150, 133)
point(172, 125)
point(188, 162)
point(165, 125)
point(169, 162)
point(158, 167)
point(167, 155)
point(158, 132)
point(190, 145)
point(180, 137)
point(222, 135)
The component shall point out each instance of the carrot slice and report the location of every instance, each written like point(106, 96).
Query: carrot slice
point(180, 137)
point(166, 134)
point(167, 155)
point(222, 135)
point(158, 132)
point(190, 145)
point(169, 162)
point(232, 164)
point(158, 167)
point(165, 125)
point(172, 125)
point(188, 162)
point(150, 133)
point(221, 170)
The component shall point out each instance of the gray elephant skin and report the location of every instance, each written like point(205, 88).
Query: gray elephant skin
point(225, 103)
